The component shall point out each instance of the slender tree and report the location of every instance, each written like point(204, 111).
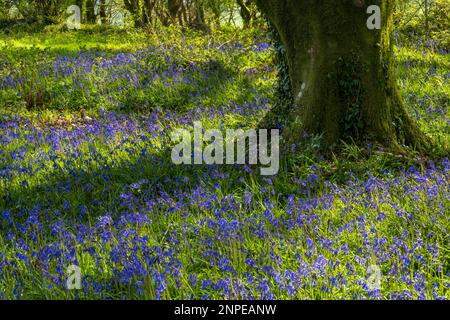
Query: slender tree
point(102, 11)
point(341, 72)
point(175, 7)
point(427, 14)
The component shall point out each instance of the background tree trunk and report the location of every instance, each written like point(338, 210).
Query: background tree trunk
point(199, 21)
point(132, 6)
point(102, 12)
point(245, 13)
point(342, 74)
point(79, 3)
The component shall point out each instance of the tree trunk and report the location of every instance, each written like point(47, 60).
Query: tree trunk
point(132, 6)
point(427, 20)
point(147, 9)
point(198, 22)
point(102, 12)
point(174, 7)
point(47, 11)
point(79, 3)
point(342, 75)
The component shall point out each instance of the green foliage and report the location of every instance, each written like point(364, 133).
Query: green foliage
point(415, 21)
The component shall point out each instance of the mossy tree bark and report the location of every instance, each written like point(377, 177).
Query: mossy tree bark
point(342, 75)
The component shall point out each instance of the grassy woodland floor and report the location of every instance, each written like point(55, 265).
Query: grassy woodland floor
point(86, 178)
